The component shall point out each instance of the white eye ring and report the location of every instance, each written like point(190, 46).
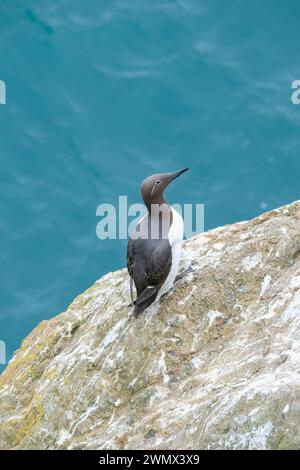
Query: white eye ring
point(157, 182)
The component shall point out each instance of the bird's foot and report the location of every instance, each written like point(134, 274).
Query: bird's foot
point(179, 276)
point(136, 315)
point(183, 273)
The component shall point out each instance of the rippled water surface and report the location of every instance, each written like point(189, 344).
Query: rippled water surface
point(100, 94)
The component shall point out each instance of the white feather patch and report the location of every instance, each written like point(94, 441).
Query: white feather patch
point(175, 240)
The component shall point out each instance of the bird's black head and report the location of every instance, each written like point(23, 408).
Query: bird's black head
point(152, 188)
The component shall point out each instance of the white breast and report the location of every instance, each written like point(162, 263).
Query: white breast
point(175, 240)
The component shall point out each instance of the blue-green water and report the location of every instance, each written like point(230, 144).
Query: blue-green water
point(101, 94)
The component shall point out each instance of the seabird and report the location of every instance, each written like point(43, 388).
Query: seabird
point(153, 251)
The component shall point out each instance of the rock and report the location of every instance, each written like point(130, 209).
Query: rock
point(215, 366)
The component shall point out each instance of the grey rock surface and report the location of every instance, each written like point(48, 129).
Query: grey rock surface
point(216, 365)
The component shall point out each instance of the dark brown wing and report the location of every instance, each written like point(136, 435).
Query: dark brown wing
point(159, 264)
point(148, 264)
point(156, 272)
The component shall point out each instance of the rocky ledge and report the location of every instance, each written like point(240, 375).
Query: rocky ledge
point(215, 366)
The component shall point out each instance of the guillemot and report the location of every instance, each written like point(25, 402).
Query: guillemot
point(153, 251)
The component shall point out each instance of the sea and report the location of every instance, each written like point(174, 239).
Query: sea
point(101, 94)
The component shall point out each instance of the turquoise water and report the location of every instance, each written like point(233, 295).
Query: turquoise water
point(102, 94)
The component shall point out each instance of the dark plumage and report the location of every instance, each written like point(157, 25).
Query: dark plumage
point(148, 264)
point(149, 253)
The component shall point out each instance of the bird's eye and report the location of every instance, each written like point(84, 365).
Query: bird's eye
point(157, 182)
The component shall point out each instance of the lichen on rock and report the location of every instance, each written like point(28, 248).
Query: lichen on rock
point(216, 365)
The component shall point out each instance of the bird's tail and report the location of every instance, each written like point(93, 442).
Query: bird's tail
point(146, 298)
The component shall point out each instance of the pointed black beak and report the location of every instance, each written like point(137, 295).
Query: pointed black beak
point(177, 173)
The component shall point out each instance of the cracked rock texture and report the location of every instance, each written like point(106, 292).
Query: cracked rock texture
point(215, 366)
